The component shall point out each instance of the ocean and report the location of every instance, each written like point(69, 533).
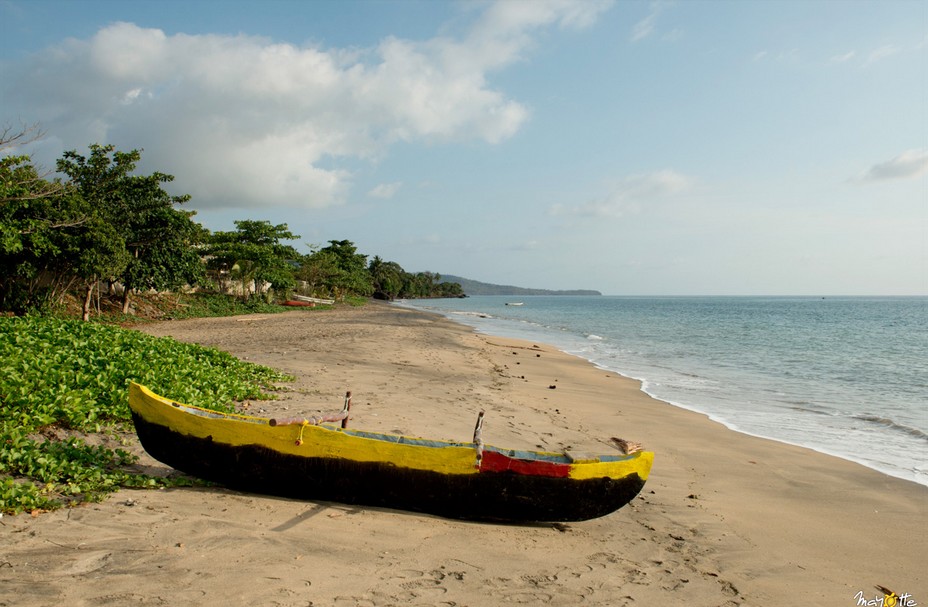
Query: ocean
point(847, 376)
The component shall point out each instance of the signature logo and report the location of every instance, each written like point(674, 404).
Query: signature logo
point(888, 599)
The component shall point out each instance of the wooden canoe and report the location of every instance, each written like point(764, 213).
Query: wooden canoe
point(313, 461)
point(299, 304)
point(313, 300)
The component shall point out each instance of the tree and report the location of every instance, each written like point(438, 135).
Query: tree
point(98, 251)
point(139, 238)
point(160, 239)
point(164, 256)
point(38, 222)
point(101, 180)
point(386, 277)
point(420, 284)
point(33, 213)
point(20, 181)
point(320, 271)
point(352, 275)
point(254, 248)
point(448, 289)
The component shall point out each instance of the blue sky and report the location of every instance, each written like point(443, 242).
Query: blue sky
point(637, 148)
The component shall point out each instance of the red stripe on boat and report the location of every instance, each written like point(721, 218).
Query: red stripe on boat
point(497, 462)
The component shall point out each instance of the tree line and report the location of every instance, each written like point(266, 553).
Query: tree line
point(98, 224)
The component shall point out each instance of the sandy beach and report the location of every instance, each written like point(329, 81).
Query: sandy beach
point(724, 519)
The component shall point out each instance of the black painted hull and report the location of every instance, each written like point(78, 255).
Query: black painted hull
point(489, 496)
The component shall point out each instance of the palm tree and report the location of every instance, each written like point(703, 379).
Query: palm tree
point(386, 277)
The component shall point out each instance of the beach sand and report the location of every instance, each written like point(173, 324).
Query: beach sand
point(725, 518)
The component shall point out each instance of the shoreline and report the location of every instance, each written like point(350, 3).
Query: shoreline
point(806, 433)
point(724, 519)
point(733, 428)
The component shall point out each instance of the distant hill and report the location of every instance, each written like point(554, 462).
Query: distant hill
point(474, 287)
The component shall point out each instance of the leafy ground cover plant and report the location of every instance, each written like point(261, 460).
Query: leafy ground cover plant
point(63, 381)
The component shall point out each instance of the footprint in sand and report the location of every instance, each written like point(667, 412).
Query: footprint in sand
point(88, 564)
point(125, 598)
point(529, 598)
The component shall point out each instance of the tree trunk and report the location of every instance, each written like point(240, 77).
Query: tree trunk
point(125, 299)
point(126, 288)
point(88, 300)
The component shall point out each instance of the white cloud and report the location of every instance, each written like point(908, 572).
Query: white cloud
point(131, 95)
point(881, 53)
point(907, 165)
point(630, 195)
point(843, 58)
point(645, 27)
point(789, 56)
point(246, 121)
point(385, 190)
point(509, 17)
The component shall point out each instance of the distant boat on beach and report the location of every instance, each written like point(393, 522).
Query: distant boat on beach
point(314, 300)
point(305, 459)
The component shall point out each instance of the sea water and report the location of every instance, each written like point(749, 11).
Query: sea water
point(847, 376)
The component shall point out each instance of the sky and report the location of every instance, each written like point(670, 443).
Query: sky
point(636, 148)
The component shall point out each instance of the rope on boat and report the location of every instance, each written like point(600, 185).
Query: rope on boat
point(314, 420)
point(478, 438)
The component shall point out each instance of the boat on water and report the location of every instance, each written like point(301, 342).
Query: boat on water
point(316, 460)
point(515, 303)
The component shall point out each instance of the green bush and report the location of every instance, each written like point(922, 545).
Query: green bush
point(72, 376)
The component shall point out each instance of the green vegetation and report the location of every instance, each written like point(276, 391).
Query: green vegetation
point(63, 382)
point(254, 253)
point(99, 232)
point(102, 229)
point(138, 237)
point(101, 225)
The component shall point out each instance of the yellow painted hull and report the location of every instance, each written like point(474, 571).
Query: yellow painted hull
point(327, 463)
